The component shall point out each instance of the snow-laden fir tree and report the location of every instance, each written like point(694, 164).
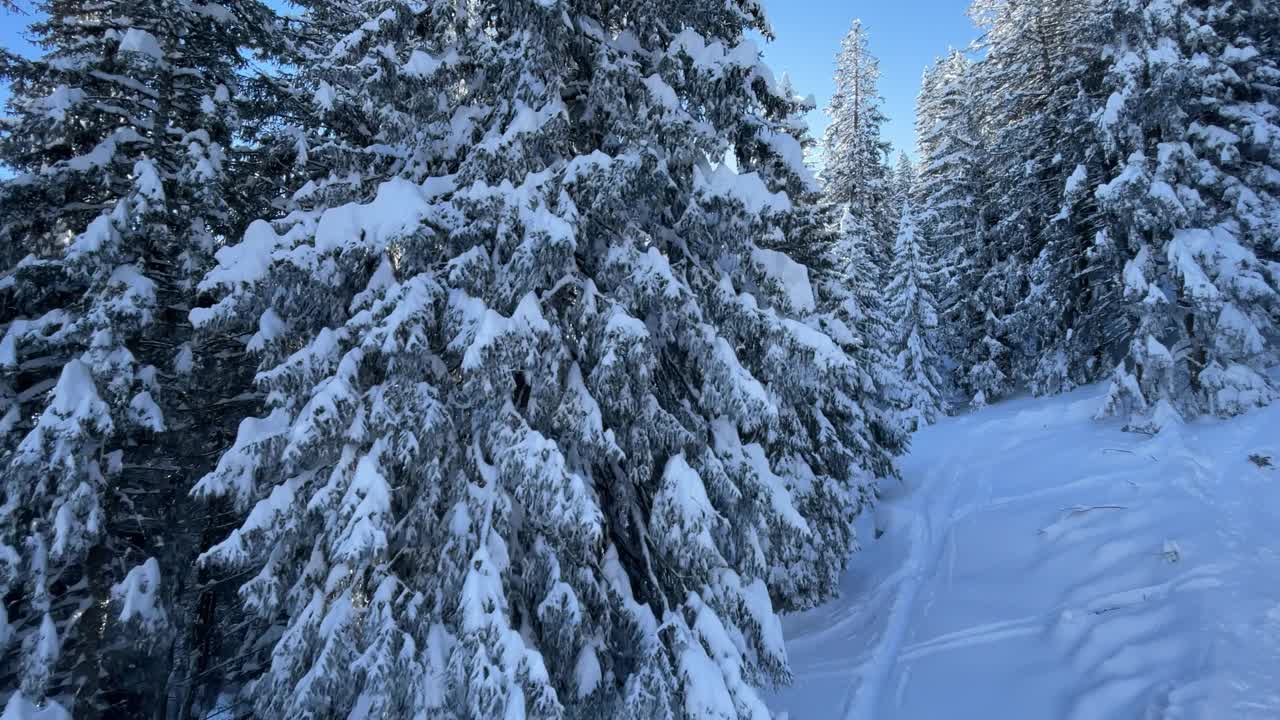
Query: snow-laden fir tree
point(860, 324)
point(913, 314)
point(553, 429)
point(1026, 68)
point(1072, 314)
point(861, 191)
point(118, 138)
point(949, 197)
point(904, 182)
point(1067, 319)
point(957, 211)
point(1192, 128)
point(1032, 297)
point(854, 171)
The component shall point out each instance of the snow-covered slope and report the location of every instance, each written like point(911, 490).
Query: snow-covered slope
point(1037, 563)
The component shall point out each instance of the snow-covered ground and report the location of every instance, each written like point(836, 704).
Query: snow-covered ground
point(1037, 563)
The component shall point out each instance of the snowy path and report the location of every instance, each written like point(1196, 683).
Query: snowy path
point(1039, 564)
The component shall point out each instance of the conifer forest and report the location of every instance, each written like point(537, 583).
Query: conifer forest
point(471, 359)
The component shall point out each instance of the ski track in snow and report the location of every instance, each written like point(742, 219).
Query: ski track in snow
point(1040, 564)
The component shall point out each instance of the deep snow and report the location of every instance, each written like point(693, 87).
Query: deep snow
point(1037, 563)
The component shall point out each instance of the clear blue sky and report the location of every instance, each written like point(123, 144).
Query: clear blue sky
point(905, 34)
point(13, 28)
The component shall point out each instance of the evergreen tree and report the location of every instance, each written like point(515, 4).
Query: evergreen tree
point(904, 182)
point(554, 426)
point(119, 137)
point(861, 325)
point(1027, 58)
point(854, 153)
point(950, 197)
point(1068, 317)
point(913, 313)
point(1191, 127)
point(1040, 284)
point(1073, 305)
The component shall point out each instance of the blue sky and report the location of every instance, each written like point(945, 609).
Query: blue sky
point(12, 29)
point(905, 34)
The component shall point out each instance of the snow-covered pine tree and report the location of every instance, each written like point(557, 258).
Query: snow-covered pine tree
point(904, 182)
point(1068, 317)
point(950, 199)
point(552, 429)
point(1191, 128)
point(854, 172)
point(1016, 77)
point(859, 187)
point(860, 323)
point(956, 195)
point(913, 314)
point(118, 137)
point(1073, 308)
point(1049, 309)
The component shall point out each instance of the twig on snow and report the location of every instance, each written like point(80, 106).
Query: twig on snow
point(1082, 509)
